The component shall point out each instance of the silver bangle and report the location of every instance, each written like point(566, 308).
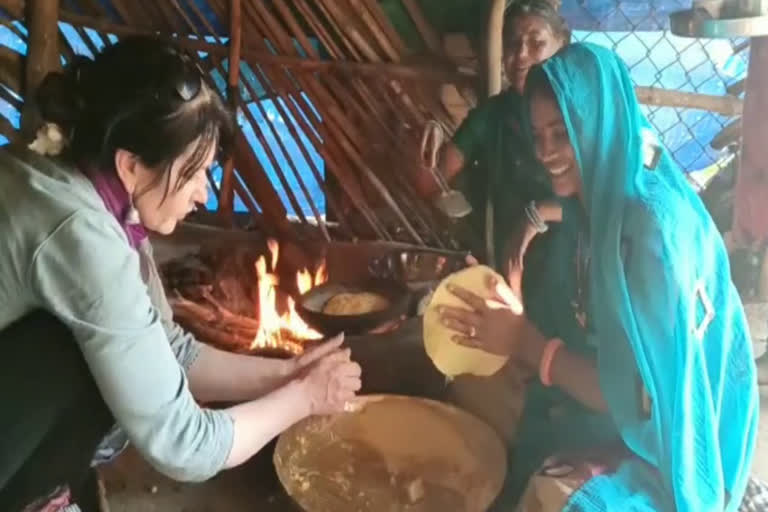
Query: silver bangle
point(535, 218)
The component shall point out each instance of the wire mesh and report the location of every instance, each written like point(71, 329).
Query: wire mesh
point(658, 58)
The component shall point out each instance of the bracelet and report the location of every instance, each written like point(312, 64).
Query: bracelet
point(534, 217)
point(545, 366)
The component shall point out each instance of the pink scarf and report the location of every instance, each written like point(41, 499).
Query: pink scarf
point(118, 202)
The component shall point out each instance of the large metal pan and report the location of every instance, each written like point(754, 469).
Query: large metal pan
point(392, 453)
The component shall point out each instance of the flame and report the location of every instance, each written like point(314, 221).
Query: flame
point(321, 274)
point(273, 326)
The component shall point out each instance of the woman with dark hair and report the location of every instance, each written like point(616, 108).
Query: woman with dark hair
point(647, 394)
point(488, 156)
point(86, 333)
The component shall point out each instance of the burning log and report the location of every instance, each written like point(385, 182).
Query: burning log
point(229, 301)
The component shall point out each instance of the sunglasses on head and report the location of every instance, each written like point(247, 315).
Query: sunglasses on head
point(188, 85)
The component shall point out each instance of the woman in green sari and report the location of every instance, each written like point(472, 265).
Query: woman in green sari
point(489, 145)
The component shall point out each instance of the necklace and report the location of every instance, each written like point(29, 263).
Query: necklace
point(580, 302)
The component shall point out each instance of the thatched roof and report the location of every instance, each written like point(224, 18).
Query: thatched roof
point(352, 84)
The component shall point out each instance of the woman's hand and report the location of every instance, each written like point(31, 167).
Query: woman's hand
point(330, 381)
point(314, 354)
point(493, 325)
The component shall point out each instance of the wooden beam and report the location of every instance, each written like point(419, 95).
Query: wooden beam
point(428, 34)
point(494, 47)
point(42, 17)
point(725, 105)
point(226, 199)
point(436, 73)
point(11, 69)
point(14, 8)
point(750, 228)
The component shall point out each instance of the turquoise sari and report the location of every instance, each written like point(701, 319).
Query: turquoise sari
point(664, 317)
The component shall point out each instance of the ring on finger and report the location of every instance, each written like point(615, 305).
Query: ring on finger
point(472, 331)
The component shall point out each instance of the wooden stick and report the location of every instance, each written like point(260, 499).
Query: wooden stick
point(386, 25)
point(288, 110)
point(275, 213)
point(42, 56)
point(725, 105)
point(358, 85)
point(373, 27)
point(428, 34)
point(327, 150)
point(494, 47)
point(405, 192)
point(436, 73)
point(13, 7)
point(256, 100)
point(226, 202)
point(335, 119)
point(11, 69)
point(292, 164)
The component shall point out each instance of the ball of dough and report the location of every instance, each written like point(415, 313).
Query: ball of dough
point(448, 356)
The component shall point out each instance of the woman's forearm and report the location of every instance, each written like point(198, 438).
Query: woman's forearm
point(571, 372)
point(257, 422)
point(219, 376)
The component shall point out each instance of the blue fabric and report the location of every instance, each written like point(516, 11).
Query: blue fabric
point(658, 264)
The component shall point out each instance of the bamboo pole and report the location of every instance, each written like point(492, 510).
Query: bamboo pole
point(14, 8)
point(406, 192)
point(428, 34)
point(332, 14)
point(226, 202)
point(494, 47)
point(11, 69)
point(438, 73)
point(327, 150)
point(42, 56)
point(250, 169)
point(353, 153)
point(292, 164)
point(386, 26)
point(751, 189)
point(330, 152)
point(233, 95)
point(370, 23)
point(357, 84)
point(242, 192)
point(725, 105)
point(268, 151)
point(292, 124)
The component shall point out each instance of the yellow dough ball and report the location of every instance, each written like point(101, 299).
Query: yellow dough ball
point(448, 356)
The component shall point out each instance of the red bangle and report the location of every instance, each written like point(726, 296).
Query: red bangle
point(545, 365)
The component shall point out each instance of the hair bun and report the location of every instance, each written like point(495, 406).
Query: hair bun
point(60, 95)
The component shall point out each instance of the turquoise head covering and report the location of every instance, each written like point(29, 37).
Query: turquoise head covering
point(664, 314)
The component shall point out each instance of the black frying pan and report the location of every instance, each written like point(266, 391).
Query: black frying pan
point(310, 307)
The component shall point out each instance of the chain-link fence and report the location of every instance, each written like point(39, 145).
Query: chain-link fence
point(657, 58)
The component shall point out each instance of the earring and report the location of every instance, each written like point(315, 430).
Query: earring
point(132, 215)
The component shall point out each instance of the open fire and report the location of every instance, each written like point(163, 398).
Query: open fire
point(286, 330)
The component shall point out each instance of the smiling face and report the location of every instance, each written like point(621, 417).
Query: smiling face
point(553, 145)
point(531, 41)
point(162, 202)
